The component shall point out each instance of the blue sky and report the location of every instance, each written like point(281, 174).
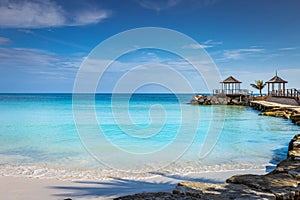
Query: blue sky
point(43, 43)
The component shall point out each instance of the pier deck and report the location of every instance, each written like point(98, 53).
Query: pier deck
point(265, 105)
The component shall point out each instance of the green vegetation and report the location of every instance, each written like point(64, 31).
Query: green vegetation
point(259, 85)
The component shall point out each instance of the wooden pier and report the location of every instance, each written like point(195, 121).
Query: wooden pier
point(266, 105)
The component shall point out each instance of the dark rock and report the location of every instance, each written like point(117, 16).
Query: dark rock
point(274, 113)
point(295, 118)
point(219, 100)
point(277, 181)
point(220, 191)
point(289, 166)
point(194, 102)
point(156, 196)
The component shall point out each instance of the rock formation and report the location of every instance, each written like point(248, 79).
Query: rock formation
point(218, 100)
point(278, 112)
point(283, 112)
point(295, 118)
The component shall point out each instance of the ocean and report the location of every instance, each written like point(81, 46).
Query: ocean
point(140, 135)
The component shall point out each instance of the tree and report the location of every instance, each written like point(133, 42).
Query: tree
point(259, 85)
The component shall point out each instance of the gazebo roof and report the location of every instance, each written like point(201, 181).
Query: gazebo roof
point(276, 79)
point(231, 79)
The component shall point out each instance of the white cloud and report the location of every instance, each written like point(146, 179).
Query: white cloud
point(24, 57)
point(158, 5)
point(212, 42)
point(90, 17)
point(98, 65)
point(26, 31)
point(36, 61)
point(204, 45)
point(145, 64)
point(287, 48)
point(45, 13)
point(4, 41)
point(237, 54)
point(196, 46)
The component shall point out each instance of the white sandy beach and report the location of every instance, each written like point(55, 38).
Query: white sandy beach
point(20, 188)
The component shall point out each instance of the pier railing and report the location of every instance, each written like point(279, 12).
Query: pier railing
point(290, 93)
point(232, 92)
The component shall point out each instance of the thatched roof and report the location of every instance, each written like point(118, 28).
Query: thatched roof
point(276, 79)
point(231, 79)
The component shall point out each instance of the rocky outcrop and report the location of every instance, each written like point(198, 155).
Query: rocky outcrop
point(282, 183)
point(208, 100)
point(218, 100)
point(199, 190)
point(282, 186)
point(283, 112)
point(155, 196)
point(295, 118)
point(279, 112)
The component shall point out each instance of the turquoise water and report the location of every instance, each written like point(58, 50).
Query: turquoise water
point(38, 135)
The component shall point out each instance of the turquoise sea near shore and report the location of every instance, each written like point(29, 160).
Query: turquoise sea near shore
point(38, 135)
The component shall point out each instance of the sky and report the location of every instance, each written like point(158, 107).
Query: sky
point(44, 43)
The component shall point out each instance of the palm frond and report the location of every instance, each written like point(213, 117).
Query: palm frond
point(254, 85)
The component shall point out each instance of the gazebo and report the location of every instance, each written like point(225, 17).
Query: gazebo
point(231, 86)
point(277, 86)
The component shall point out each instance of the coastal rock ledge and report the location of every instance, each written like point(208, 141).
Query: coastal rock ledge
point(282, 183)
point(220, 100)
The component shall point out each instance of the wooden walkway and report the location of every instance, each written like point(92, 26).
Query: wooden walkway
point(265, 105)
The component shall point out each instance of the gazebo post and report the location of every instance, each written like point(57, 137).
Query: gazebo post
point(279, 89)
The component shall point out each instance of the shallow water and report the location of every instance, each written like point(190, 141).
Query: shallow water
point(143, 134)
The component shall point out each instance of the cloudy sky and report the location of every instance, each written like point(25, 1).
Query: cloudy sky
point(44, 42)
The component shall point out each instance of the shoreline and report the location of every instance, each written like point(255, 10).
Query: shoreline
point(17, 188)
point(68, 174)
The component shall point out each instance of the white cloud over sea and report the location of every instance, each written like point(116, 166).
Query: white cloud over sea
point(205, 45)
point(237, 54)
point(160, 5)
point(36, 61)
point(46, 13)
point(4, 41)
